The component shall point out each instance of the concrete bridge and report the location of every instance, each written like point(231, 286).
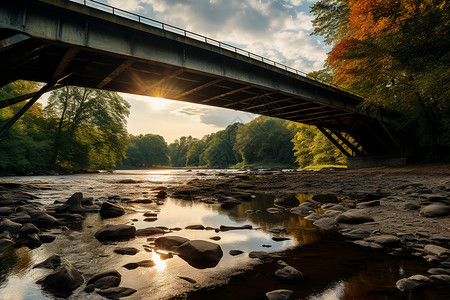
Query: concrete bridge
point(89, 44)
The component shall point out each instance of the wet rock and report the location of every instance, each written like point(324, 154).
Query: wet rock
point(5, 242)
point(439, 271)
point(227, 228)
point(195, 227)
point(52, 262)
point(431, 259)
point(105, 280)
point(188, 279)
point(151, 219)
point(116, 292)
point(5, 211)
point(331, 206)
point(326, 223)
point(163, 255)
point(386, 240)
point(302, 210)
point(411, 206)
point(441, 278)
point(28, 228)
point(324, 198)
point(169, 242)
point(263, 256)
point(126, 250)
point(289, 273)
point(235, 252)
point(313, 217)
point(356, 234)
point(354, 216)
point(21, 217)
point(215, 238)
point(289, 200)
point(113, 232)
point(45, 219)
point(332, 213)
point(437, 250)
point(280, 239)
point(150, 214)
point(273, 210)
point(413, 282)
point(279, 295)
point(131, 266)
point(11, 226)
point(150, 231)
point(368, 244)
point(33, 241)
point(65, 279)
point(129, 181)
point(46, 238)
point(148, 263)
point(369, 204)
point(161, 195)
point(111, 210)
point(74, 202)
point(200, 254)
point(435, 210)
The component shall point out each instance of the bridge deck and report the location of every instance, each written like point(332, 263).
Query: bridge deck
point(73, 44)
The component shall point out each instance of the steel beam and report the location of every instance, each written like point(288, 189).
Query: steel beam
point(117, 71)
point(18, 99)
point(226, 94)
point(334, 141)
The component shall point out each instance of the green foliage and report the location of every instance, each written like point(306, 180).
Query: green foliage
point(178, 151)
point(265, 140)
point(312, 148)
point(147, 151)
point(220, 152)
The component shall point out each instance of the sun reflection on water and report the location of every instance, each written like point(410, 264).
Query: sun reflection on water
point(160, 265)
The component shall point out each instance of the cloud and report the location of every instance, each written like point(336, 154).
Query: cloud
point(279, 30)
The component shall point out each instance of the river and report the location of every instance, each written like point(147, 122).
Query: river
point(335, 269)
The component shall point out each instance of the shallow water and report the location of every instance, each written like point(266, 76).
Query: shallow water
point(336, 269)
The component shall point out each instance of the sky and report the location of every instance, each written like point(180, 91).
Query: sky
point(276, 29)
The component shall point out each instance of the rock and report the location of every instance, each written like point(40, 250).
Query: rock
point(112, 232)
point(277, 229)
point(289, 200)
point(354, 216)
point(313, 217)
point(5, 211)
point(151, 219)
point(28, 228)
point(11, 226)
point(161, 195)
point(131, 266)
point(356, 234)
point(437, 250)
point(215, 238)
point(89, 288)
point(302, 210)
point(5, 242)
point(195, 227)
point(33, 241)
point(332, 206)
point(368, 244)
point(46, 238)
point(386, 240)
point(326, 223)
point(262, 255)
point(116, 292)
point(235, 252)
point(413, 282)
point(289, 273)
point(21, 217)
point(126, 250)
point(52, 262)
point(169, 242)
point(65, 279)
point(369, 203)
point(148, 263)
point(188, 279)
point(324, 198)
point(273, 210)
point(411, 206)
point(150, 214)
point(150, 231)
point(435, 210)
point(332, 213)
point(439, 271)
point(280, 239)
point(227, 228)
point(45, 219)
point(279, 294)
point(441, 278)
point(111, 210)
point(74, 202)
point(105, 280)
point(200, 254)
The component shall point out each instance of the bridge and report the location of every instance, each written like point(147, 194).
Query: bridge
point(89, 44)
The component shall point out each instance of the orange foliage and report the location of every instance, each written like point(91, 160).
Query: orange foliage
point(340, 50)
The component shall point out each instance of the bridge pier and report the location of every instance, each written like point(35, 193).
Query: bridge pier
point(354, 163)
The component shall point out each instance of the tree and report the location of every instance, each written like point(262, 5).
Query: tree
point(220, 152)
point(90, 127)
point(178, 151)
point(147, 151)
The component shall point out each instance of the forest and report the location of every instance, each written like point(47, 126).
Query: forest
point(393, 53)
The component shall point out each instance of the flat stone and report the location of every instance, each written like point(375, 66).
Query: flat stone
point(280, 239)
point(437, 250)
point(227, 228)
point(289, 273)
point(273, 210)
point(302, 210)
point(99, 276)
point(289, 200)
point(45, 219)
point(441, 278)
point(356, 234)
point(354, 216)
point(112, 232)
point(215, 238)
point(313, 217)
point(411, 283)
point(11, 226)
point(439, 271)
point(435, 210)
point(150, 231)
point(116, 292)
point(326, 223)
point(279, 294)
point(386, 240)
point(235, 252)
point(195, 227)
point(126, 250)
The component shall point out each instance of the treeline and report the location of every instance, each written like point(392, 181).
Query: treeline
point(81, 129)
point(395, 54)
point(262, 142)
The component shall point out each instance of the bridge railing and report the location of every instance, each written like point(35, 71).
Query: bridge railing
point(177, 30)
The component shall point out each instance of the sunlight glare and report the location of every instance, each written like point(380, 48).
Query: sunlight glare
point(160, 264)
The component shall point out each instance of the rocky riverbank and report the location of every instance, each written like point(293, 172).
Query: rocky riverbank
point(404, 211)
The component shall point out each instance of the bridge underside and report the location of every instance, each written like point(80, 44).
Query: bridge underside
point(64, 44)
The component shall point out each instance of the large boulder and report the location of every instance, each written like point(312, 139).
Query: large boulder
point(111, 210)
point(200, 254)
point(354, 216)
point(169, 242)
point(75, 204)
point(112, 232)
point(435, 210)
point(289, 200)
point(64, 280)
